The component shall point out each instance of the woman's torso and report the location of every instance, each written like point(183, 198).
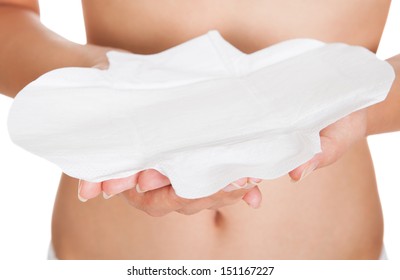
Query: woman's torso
point(333, 213)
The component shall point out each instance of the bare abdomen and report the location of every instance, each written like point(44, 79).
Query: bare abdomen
point(333, 214)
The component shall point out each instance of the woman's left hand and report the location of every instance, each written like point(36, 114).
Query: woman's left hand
point(336, 139)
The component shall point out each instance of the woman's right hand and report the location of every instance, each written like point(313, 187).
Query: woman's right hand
point(151, 192)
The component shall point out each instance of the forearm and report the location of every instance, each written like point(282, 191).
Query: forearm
point(28, 49)
point(385, 116)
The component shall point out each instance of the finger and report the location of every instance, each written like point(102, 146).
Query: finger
point(254, 181)
point(253, 198)
point(224, 198)
point(115, 186)
point(304, 170)
point(157, 202)
point(162, 201)
point(191, 206)
point(241, 183)
point(246, 182)
point(88, 190)
point(151, 179)
point(331, 151)
point(236, 185)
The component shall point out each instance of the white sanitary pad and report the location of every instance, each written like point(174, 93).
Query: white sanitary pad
point(202, 113)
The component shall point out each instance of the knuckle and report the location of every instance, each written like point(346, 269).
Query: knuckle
point(136, 203)
point(146, 205)
point(134, 199)
point(176, 201)
point(155, 204)
point(130, 196)
point(156, 213)
point(160, 203)
point(188, 211)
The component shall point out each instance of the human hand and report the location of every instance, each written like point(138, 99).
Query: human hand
point(151, 192)
point(336, 139)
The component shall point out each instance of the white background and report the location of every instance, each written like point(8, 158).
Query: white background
point(28, 184)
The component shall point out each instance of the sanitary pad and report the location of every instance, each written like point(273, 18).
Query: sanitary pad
point(202, 113)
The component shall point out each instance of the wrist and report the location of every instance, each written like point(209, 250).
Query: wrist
point(94, 56)
point(384, 116)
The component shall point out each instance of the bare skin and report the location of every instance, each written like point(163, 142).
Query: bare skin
point(334, 213)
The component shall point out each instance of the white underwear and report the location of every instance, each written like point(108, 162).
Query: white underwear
point(202, 113)
point(51, 255)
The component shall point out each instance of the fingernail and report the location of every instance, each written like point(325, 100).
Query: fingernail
point(249, 185)
point(230, 188)
point(234, 187)
point(255, 181)
point(138, 189)
point(81, 198)
point(107, 196)
point(307, 171)
point(79, 191)
point(239, 186)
